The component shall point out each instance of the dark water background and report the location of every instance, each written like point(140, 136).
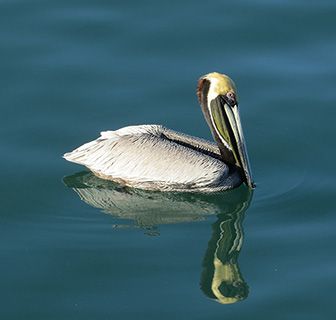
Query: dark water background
point(70, 69)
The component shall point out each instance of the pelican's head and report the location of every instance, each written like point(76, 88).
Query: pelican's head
point(218, 97)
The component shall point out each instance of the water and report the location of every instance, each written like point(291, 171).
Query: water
point(72, 69)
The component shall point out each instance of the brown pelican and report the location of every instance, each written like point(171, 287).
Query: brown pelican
point(153, 157)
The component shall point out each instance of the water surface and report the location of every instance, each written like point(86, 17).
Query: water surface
point(70, 70)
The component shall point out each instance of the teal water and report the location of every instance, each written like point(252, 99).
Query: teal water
point(73, 247)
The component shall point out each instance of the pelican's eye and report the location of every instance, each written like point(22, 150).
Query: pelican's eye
point(230, 98)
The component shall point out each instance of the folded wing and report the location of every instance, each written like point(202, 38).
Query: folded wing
point(153, 157)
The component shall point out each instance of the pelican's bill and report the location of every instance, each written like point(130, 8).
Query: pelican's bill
point(226, 121)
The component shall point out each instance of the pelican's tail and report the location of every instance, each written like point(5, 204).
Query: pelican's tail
point(85, 153)
point(81, 154)
point(92, 153)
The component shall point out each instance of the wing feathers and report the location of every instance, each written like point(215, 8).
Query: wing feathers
point(144, 157)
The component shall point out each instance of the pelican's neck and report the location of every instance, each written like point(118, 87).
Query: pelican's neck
point(226, 153)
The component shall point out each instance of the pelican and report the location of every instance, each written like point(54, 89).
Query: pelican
point(152, 157)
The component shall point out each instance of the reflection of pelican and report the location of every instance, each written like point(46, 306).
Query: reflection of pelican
point(155, 158)
point(221, 278)
point(148, 208)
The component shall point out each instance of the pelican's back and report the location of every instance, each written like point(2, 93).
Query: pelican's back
point(155, 158)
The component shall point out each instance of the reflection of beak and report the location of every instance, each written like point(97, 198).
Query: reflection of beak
point(227, 284)
point(226, 121)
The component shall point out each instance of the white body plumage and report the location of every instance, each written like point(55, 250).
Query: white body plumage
point(152, 157)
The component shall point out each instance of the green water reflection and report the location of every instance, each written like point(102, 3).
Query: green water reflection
point(221, 278)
